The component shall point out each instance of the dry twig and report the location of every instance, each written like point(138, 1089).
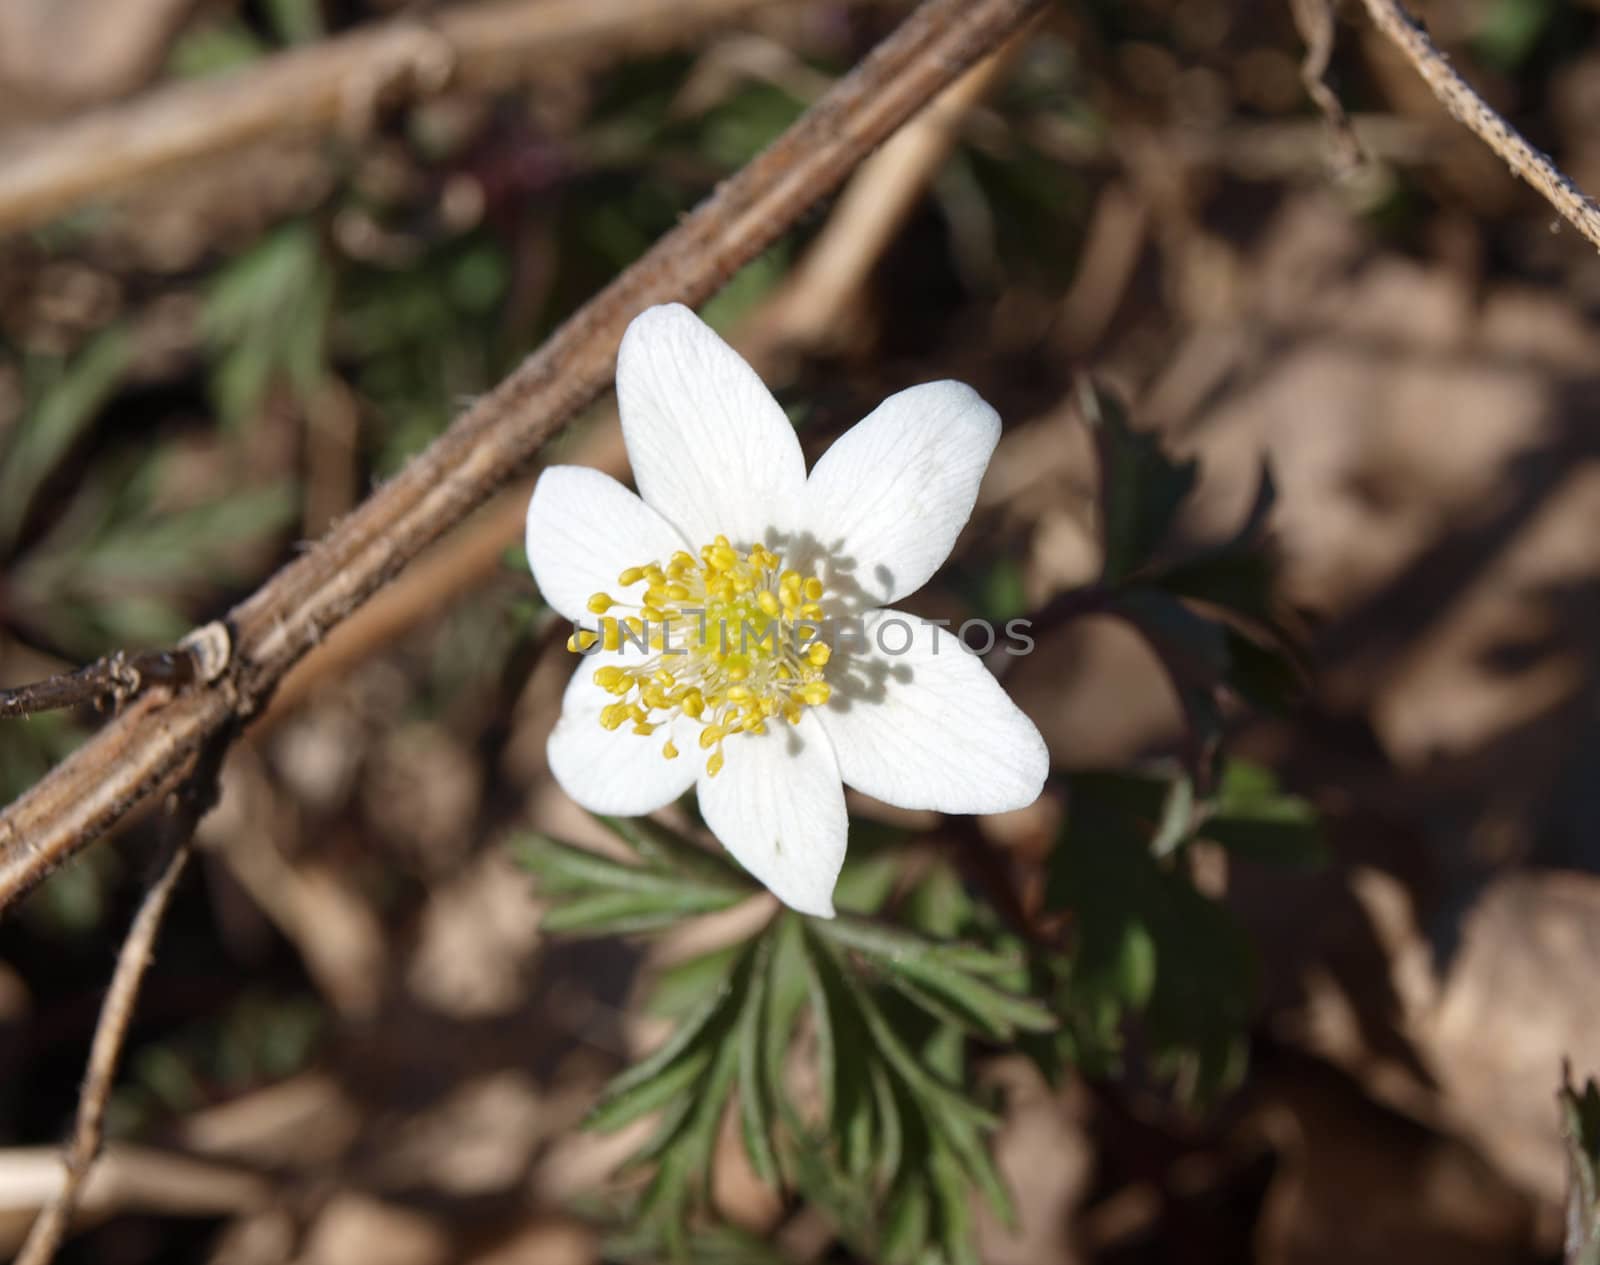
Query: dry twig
point(314, 90)
point(143, 747)
point(191, 802)
point(115, 678)
point(1316, 23)
point(1463, 101)
point(807, 313)
point(127, 1179)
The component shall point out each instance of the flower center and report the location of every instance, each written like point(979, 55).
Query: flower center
point(729, 640)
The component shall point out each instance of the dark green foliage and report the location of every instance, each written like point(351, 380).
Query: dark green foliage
point(1210, 614)
point(598, 896)
point(66, 396)
point(894, 1144)
point(1254, 820)
point(1146, 942)
point(104, 562)
point(1141, 488)
point(266, 320)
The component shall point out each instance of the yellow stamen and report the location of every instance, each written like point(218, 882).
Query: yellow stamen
point(746, 655)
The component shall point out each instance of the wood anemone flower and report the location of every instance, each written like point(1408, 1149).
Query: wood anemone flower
point(734, 616)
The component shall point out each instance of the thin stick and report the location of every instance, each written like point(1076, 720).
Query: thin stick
point(1463, 101)
point(806, 313)
point(115, 678)
point(1315, 20)
point(327, 85)
point(191, 802)
point(153, 737)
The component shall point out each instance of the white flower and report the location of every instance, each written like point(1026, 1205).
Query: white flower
point(701, 599)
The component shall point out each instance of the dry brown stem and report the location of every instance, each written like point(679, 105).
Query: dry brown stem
point(807, 313)
point(126, 1179)
point(317, 89)
point(191, 802)
point(1315, 19)
point(139, 750)
point(1463, 101)
point(115, 678)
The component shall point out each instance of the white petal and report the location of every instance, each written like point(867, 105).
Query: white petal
point(711, 449)
point(615, 771)
point(778, 807)
point(929, 727)
point(584, 530)
point(889, 498)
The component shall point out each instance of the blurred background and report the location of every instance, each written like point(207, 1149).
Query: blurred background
point(355, 1043)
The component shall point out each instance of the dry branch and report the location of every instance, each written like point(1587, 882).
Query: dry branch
point(126, 1179)
point(320, 88)
point(807, 312)
point(1463, 101)
point(1315, 19)
point(191, 802)
point(115, 678)
point(153, 739)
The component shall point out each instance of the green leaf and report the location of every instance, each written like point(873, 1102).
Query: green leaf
point(755, 1113)
point(906, 1225)
point(266, 318)
point(1240, 583)
point(935, 979)
point(683, 1171)
point(789, 987)
point(891, 1135)
point(681, 987)
point(961, 1125)
point(620, 913)
point(74, 396)
point(939, 904)
point(866, 881)
point(666, 851)
point(691, 1041)
point(921, 1075)
point(956, 1229)
point(822, 1019)
point(1145, 941)
point(595, 895)
point(1194, 646)
point(1141, 487)
point(562, 867)
point(624, 1106)
point(1254, 819)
